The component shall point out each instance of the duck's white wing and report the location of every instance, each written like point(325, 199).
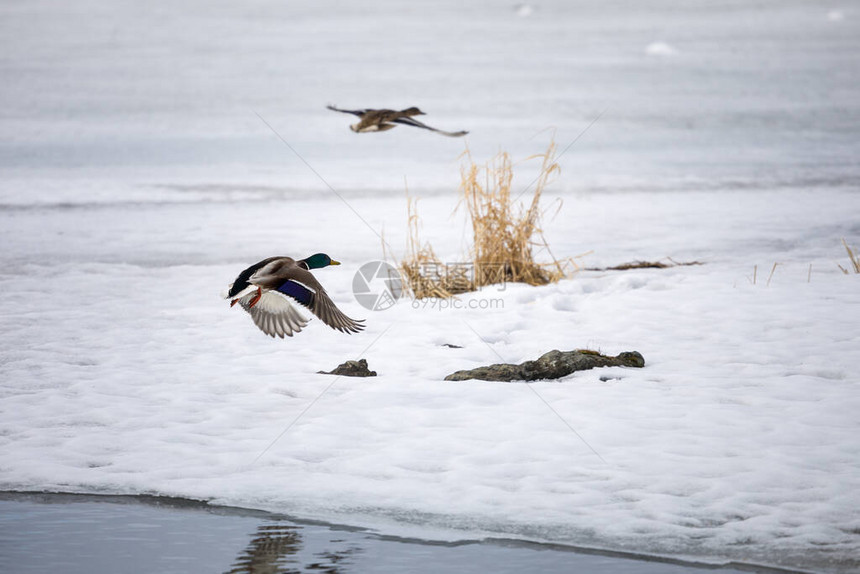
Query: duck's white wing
point(274, 314)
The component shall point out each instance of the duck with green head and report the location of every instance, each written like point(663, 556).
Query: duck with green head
point(267, 290)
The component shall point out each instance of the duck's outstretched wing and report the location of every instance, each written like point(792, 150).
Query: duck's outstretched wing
point(305, 289)
point(327, 311)
point(274, 314)
point(415, 123)
point(358, 113)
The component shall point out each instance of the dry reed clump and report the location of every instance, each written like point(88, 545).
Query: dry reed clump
point(422, 271)
point(855, 261)
point(505, 234)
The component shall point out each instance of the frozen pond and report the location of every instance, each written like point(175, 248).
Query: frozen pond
point(78, 533)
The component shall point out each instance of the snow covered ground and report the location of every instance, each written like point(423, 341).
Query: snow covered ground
point(138, 179)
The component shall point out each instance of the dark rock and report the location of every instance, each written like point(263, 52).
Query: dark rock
point(451, 346)
point(631, 359)
point(351, 369)
point(552, 365)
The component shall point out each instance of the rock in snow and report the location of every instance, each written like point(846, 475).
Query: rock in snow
point(351, 369)
point(552, 365)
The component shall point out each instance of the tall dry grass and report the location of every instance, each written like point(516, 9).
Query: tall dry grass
point(855, 261)
point(507, 234)
point(422, 271)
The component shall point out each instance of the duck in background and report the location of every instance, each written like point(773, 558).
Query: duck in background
point(383, 120)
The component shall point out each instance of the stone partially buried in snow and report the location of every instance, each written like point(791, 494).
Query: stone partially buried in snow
point(552, 365)
point(351, 369)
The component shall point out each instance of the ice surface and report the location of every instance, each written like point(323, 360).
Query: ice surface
point(138, 180)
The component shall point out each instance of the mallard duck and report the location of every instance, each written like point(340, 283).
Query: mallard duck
point(267, 289)
point(382, 120)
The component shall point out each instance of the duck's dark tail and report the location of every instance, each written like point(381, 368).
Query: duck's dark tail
point(241, 281)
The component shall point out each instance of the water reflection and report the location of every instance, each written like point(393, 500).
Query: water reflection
point(270, 551)
point(276, 549)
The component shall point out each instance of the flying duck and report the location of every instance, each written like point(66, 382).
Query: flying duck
point(268, 289)
point(382, 120)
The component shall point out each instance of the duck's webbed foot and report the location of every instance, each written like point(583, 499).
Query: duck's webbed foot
point(256, 298)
